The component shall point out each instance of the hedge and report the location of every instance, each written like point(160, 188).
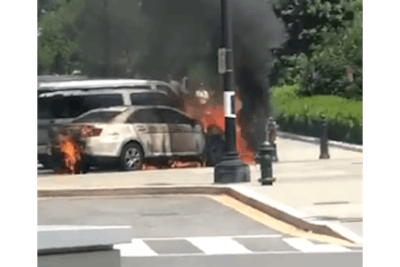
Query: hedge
point(304, 115)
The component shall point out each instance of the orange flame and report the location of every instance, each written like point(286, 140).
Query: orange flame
point(70, 154)
point(213, 115)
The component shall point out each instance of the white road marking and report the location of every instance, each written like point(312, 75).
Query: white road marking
point(190, 237)
point(218, 245)
point(223, 245)
point(307, 246)
point(253, 253)
point(135, 249)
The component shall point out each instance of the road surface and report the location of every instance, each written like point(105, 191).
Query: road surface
point(193, 231)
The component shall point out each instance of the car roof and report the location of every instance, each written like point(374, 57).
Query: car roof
point(100, 92)
point(96, 84)
point(131, 108)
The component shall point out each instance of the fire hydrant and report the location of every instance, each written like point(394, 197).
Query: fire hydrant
point(265, 159)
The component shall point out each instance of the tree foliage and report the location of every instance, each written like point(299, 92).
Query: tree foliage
point(325, 37)
point(58, 50)
point(91, 35)
point(326, 71)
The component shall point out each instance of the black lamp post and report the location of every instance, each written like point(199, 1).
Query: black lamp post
point(231, 169)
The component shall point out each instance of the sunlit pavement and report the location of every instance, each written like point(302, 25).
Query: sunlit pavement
point(193, 231)
point(313, 186)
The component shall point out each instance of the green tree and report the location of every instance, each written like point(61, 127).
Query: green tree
point(340, 48)
point(58, 50)
point(110, 28)
point(306, 22)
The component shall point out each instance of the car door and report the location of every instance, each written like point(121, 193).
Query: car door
point(183, 132)
point(152, 131)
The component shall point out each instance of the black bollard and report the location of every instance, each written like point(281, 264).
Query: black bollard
point(265, 159)
point(324, 153)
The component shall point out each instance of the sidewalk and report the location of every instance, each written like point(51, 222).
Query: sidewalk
point(322, 189)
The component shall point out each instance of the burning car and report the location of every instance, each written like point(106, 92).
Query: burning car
point(128, 136)
point(61, 107)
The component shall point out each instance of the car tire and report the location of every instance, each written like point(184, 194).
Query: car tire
point(214, 150)
point(46, 165)
point(131, 158)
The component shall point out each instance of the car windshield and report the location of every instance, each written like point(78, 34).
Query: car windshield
point(98, 117)
point(146, 99)
point(64, 107)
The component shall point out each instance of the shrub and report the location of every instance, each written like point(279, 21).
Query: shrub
point(304, 115)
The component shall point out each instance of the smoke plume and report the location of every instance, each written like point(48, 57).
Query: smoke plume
point(186, 32)
point(174, 36)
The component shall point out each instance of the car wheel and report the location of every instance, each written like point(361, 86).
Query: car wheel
point(131, 158)
point(214, 150)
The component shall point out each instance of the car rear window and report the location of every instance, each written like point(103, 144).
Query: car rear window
point(64, 107)
point(98, 117)
point(146, 99)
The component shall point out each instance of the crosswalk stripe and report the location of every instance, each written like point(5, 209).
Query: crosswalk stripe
point(307, 246)
point(218, 245)
point(136, 248)
point(227, 236)
point(223, 245)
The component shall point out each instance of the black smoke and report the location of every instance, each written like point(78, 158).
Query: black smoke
point(184, 32)
point(170, 36)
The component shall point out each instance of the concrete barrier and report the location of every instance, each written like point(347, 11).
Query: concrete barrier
point(78, 246)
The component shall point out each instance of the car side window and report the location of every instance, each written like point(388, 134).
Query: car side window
point(153, 98)
point(145, 116)
point(90, 102)
point(66, 107)
point(174, 117)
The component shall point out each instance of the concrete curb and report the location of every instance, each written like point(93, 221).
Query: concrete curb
point(315, 140)
point(242, 193)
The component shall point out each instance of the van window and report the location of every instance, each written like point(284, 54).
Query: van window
point(64, 107)
point(146, 99)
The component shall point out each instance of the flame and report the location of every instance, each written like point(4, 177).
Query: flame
point(209, 114)
point(213, 115)
point(70, 154)
point(178, 164)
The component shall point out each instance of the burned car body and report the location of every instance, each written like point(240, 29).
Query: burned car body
point(128, 136)
point(61, 107)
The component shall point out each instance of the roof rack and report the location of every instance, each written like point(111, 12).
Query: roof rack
point(90, 84)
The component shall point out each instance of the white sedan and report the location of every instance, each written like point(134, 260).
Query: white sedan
point(129, 135)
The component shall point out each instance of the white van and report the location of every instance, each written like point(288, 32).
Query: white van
point(62, 106)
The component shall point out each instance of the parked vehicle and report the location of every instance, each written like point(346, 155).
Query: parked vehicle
point(128, 136)
point(110, 84)
point(61, 107)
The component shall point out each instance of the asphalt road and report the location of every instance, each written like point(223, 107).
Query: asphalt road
point(193, 231)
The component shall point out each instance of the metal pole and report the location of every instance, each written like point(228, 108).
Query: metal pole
point(230, 169)
point(106, 40)
point(229, 78)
